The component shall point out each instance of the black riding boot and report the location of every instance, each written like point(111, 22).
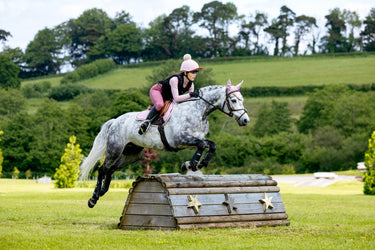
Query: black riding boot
point(150, 118)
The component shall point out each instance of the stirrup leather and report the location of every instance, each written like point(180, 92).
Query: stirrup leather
point(144, 127)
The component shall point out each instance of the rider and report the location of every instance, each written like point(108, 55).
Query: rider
point(172, 88)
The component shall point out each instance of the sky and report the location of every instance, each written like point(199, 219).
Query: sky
point(24, 18)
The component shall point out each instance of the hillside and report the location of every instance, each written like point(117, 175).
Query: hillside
point(254, 72)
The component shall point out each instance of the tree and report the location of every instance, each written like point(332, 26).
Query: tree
point(352, 22)
point(68, 171)
point(122, 44)
point(42, 55)
point(285, 20)
point(84, 32)
point(4, 34)
point(12, 102)
point(8, 73)
point(369, 176)
point(318, 107)
point(335, 41)
point(254, 28)
point(216, 18)
point(1, 157)
point(276, 33)
point(273, 119)
point(368, 33)
point(15, 173)
point(304, 25)
point(49, 134)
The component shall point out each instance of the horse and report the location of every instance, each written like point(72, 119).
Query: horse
point(187, 127)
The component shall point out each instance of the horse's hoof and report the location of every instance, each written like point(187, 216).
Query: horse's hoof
point(185, 166)
point(91, 203)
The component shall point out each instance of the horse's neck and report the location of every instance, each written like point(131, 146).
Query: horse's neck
point(214, 94)
point(214, 97)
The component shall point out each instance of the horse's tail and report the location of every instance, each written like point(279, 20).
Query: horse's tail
point(97, 152)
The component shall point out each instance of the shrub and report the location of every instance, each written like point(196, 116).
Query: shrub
point(89, 70)
point(68, 171)
point(67, 91)
point(369, 177)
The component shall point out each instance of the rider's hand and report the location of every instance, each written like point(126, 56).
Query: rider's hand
point(194, 93)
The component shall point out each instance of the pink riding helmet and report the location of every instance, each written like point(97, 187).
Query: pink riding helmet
point(188, 64)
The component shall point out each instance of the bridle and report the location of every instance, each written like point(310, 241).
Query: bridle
point(226, 103)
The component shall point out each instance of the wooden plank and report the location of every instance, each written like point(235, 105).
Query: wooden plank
point(200, 184)
point(214, 210)
point(149, 209)
point(181, 178)
point(223, 190)
point(230, 218)
point(150, 198)
point(235, 224)
point(218, 199)
point(149, 187)
point(149, 221)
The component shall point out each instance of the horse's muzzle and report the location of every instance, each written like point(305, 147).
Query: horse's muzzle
point(243, 120)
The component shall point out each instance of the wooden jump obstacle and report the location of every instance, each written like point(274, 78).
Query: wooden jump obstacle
point(175, 201)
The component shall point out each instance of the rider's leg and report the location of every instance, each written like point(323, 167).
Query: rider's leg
point(150, 118)
point(157, 99)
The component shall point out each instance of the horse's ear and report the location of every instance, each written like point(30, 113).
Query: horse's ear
point(229, 84)
point(239, 85)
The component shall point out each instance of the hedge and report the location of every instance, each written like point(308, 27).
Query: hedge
point(89, 70)
point(296, 90)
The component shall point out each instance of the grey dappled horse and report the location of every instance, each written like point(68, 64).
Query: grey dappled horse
point(187, 127)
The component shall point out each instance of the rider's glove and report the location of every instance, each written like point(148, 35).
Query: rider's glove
point(194, 93)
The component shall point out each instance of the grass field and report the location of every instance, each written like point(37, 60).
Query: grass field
point(43, 217)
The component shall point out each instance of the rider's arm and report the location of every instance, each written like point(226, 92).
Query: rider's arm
point(174, 87)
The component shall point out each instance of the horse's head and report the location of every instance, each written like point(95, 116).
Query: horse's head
point(233, 104)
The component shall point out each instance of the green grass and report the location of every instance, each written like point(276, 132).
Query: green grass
point(297, 71)
point(40, 216)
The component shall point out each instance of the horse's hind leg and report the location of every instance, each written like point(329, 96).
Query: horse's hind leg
point(95, 196)
point(113, 155)
point(131, 153)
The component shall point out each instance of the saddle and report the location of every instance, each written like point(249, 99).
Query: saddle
point(164, 115)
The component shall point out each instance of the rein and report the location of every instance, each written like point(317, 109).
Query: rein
point(226, 103)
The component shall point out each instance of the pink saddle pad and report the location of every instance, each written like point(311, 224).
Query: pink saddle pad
point(143, 115)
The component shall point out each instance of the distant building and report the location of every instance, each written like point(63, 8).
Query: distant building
point(361, 166)
point(44, 180)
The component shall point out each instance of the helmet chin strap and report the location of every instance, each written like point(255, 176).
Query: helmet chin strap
point(187, 77)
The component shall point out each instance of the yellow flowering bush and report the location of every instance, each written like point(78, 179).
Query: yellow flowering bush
point(369, 177)
point(68, 171)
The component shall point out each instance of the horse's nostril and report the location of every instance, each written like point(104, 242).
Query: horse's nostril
point(246, 121)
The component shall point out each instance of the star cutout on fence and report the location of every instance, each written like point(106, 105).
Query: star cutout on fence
point(266, 202)
point(194, 203)
point(229, 202)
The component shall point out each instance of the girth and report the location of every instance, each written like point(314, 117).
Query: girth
point(164, 139)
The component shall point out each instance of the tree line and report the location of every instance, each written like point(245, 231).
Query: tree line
point(94, 35)
point(331, 134)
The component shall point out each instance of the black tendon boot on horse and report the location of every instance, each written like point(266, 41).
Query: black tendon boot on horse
point(150, 118)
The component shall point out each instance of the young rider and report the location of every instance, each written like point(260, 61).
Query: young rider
point(172, 88)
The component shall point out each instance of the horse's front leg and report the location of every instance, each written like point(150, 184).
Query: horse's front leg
point(209, 154)
point(194, 162)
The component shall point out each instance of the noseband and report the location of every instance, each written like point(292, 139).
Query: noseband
point(226, 103)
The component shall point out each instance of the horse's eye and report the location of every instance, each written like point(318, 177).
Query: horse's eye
point(234, 100)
